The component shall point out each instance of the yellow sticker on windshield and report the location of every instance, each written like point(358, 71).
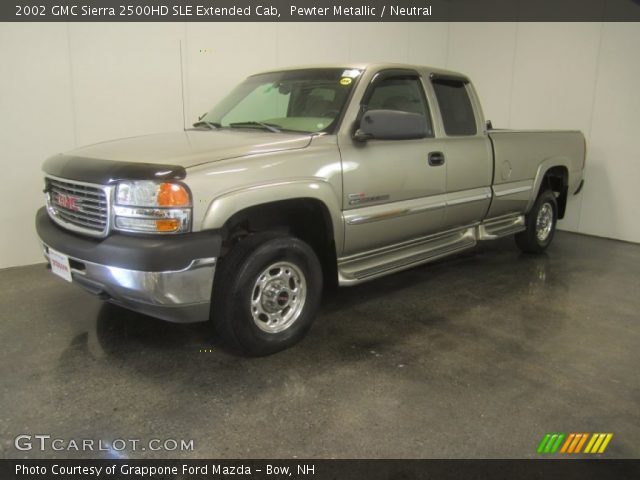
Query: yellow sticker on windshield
point(345, 81)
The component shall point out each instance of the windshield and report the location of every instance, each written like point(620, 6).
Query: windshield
point(309, 100)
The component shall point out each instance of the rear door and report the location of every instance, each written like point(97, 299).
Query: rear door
point(467, 151)
point(391, 192)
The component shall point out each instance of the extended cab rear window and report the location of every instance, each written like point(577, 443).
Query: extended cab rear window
point(455, 107)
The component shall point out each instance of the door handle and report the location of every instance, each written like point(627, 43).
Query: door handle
point(436, 159)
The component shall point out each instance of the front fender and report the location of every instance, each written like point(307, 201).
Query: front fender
point(228, 204)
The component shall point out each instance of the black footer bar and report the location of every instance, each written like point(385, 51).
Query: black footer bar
point(547, 469)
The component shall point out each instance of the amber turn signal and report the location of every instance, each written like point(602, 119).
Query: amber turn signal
point(172, 195)
point(168, 225)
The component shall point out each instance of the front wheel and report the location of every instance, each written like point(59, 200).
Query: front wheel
point(267, 293)
point(540, 224)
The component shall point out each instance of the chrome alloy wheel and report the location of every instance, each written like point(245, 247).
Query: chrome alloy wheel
point(278, 297)
point(544, 222)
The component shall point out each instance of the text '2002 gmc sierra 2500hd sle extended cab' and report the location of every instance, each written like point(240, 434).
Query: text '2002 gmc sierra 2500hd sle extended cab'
point(299, 178)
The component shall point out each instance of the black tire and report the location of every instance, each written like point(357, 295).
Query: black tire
point(237, 317)
point(529, 240)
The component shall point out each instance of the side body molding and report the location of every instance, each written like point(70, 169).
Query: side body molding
point(225, 206)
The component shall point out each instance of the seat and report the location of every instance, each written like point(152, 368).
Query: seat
point(317, 106)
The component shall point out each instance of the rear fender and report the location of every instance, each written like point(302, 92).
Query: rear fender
point(543, 168)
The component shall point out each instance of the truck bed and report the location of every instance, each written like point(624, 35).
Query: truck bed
point(522, 156)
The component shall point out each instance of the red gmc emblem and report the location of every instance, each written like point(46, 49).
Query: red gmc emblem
point(67, 201)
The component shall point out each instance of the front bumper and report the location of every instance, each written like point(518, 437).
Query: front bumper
point(169, 277)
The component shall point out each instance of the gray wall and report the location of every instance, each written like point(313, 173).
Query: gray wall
point(66, 85)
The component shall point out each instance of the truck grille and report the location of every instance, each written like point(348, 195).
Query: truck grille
point(80, 207)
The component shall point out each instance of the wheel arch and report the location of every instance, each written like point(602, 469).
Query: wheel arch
point(306, 209)
point(552, 174)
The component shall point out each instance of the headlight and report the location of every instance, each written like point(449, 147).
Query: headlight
point(152, 207)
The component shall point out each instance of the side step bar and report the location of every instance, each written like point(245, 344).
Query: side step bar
point(376, 263)
point(499, 227)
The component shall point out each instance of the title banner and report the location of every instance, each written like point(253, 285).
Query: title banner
point(319, 10)
point(320, 469)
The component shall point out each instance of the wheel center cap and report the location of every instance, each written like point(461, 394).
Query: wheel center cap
point(275, 297)
point(283, 298)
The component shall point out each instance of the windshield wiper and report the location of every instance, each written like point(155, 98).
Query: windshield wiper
point(211, 125)
point(268, 126)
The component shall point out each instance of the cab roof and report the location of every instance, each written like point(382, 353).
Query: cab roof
point(369, 66)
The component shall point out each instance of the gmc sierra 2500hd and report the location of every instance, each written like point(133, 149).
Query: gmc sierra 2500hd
point(297, 179)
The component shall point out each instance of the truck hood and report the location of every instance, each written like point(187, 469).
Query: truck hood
point(192, 147)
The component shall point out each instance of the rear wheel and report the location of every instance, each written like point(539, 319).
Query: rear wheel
point(540, 224)
point(267, 293)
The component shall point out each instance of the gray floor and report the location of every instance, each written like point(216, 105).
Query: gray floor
point(476, 356)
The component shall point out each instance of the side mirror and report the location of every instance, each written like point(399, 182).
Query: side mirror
point(391, 125)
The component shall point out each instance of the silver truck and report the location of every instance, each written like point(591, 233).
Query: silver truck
point(299, 179)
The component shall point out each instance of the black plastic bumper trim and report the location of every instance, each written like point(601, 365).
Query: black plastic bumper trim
point(133, 252)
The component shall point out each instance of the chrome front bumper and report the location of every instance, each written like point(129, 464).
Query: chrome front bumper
point(176, 295)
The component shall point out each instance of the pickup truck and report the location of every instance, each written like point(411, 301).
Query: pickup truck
point(299, 179)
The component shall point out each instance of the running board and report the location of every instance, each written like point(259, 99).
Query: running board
point(394, 258)
point(376, 263)
point(500, 227)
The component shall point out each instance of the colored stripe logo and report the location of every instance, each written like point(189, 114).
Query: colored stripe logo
point(573, 443)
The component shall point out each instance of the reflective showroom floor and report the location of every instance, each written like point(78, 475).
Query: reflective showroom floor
point(478, 355)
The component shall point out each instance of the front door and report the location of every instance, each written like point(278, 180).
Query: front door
point(393, 189)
